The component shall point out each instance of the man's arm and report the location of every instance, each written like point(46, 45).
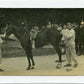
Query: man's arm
point(69, 34)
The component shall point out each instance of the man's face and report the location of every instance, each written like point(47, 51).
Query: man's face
point(36, 27)
point(69, 26)
point(55, 25)
point(43, 27)
point(64, 26)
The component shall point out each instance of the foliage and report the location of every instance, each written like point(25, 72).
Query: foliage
point(40, 16)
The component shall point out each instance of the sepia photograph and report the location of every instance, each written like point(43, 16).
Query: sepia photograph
point(42, 41)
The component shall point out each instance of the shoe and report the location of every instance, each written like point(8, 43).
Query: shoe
point(67, 65)
point(58, 66)
point(69, 69)
point(1, 70)
point(75, 65)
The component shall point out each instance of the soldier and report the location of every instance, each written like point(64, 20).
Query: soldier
point(70, 45)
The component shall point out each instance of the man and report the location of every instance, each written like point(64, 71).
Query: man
point(70, 45)
point(59, 28)
point(55, 25)
point(49, 25)
point(81, 38)
point(63, 31)
point(1, 41)
point(33, 35)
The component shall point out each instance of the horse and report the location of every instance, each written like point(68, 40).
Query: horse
point(51, 36)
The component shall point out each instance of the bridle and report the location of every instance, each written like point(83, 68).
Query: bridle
point(24, 34)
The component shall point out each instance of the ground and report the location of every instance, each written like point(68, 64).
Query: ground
point(15, 62)
point(45, 65)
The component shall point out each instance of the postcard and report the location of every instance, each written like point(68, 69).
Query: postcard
point(42, 41)
point(41, 38)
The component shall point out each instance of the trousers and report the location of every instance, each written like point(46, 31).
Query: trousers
point(1, 41)
point(0, 55)
point(71, 52)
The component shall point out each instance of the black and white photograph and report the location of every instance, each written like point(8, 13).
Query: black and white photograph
point(41, 41)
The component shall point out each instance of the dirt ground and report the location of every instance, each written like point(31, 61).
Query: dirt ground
point(45, 65)
point(15, 62)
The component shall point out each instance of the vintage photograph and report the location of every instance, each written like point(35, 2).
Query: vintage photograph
point(42, 41)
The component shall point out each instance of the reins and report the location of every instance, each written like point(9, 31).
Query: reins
point(24, 34)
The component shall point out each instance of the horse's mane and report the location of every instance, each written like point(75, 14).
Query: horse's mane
point(17, 28)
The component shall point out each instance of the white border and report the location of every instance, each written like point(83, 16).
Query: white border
point(42, 79)
point(41, 4)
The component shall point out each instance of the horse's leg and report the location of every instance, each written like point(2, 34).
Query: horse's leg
point(60, 57)
point(80, 48)
point(76, 44)
point(33, 63)
point(83, 46)
point(28, 68)
point(59, 53)
point(27, 51)
point(28, 58)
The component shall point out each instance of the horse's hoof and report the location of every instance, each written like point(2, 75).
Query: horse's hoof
point(32, 68)
point(69, 69)
point(75, 65)
point(60, 61)
point(58, 66)
point(28, 68)
point(78, 54)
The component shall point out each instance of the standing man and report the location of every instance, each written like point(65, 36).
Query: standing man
point(33, 35)
point(63, 31)
point(1, 41)
point(70, 45)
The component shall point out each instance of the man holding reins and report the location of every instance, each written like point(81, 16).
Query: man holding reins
point(69, 36)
